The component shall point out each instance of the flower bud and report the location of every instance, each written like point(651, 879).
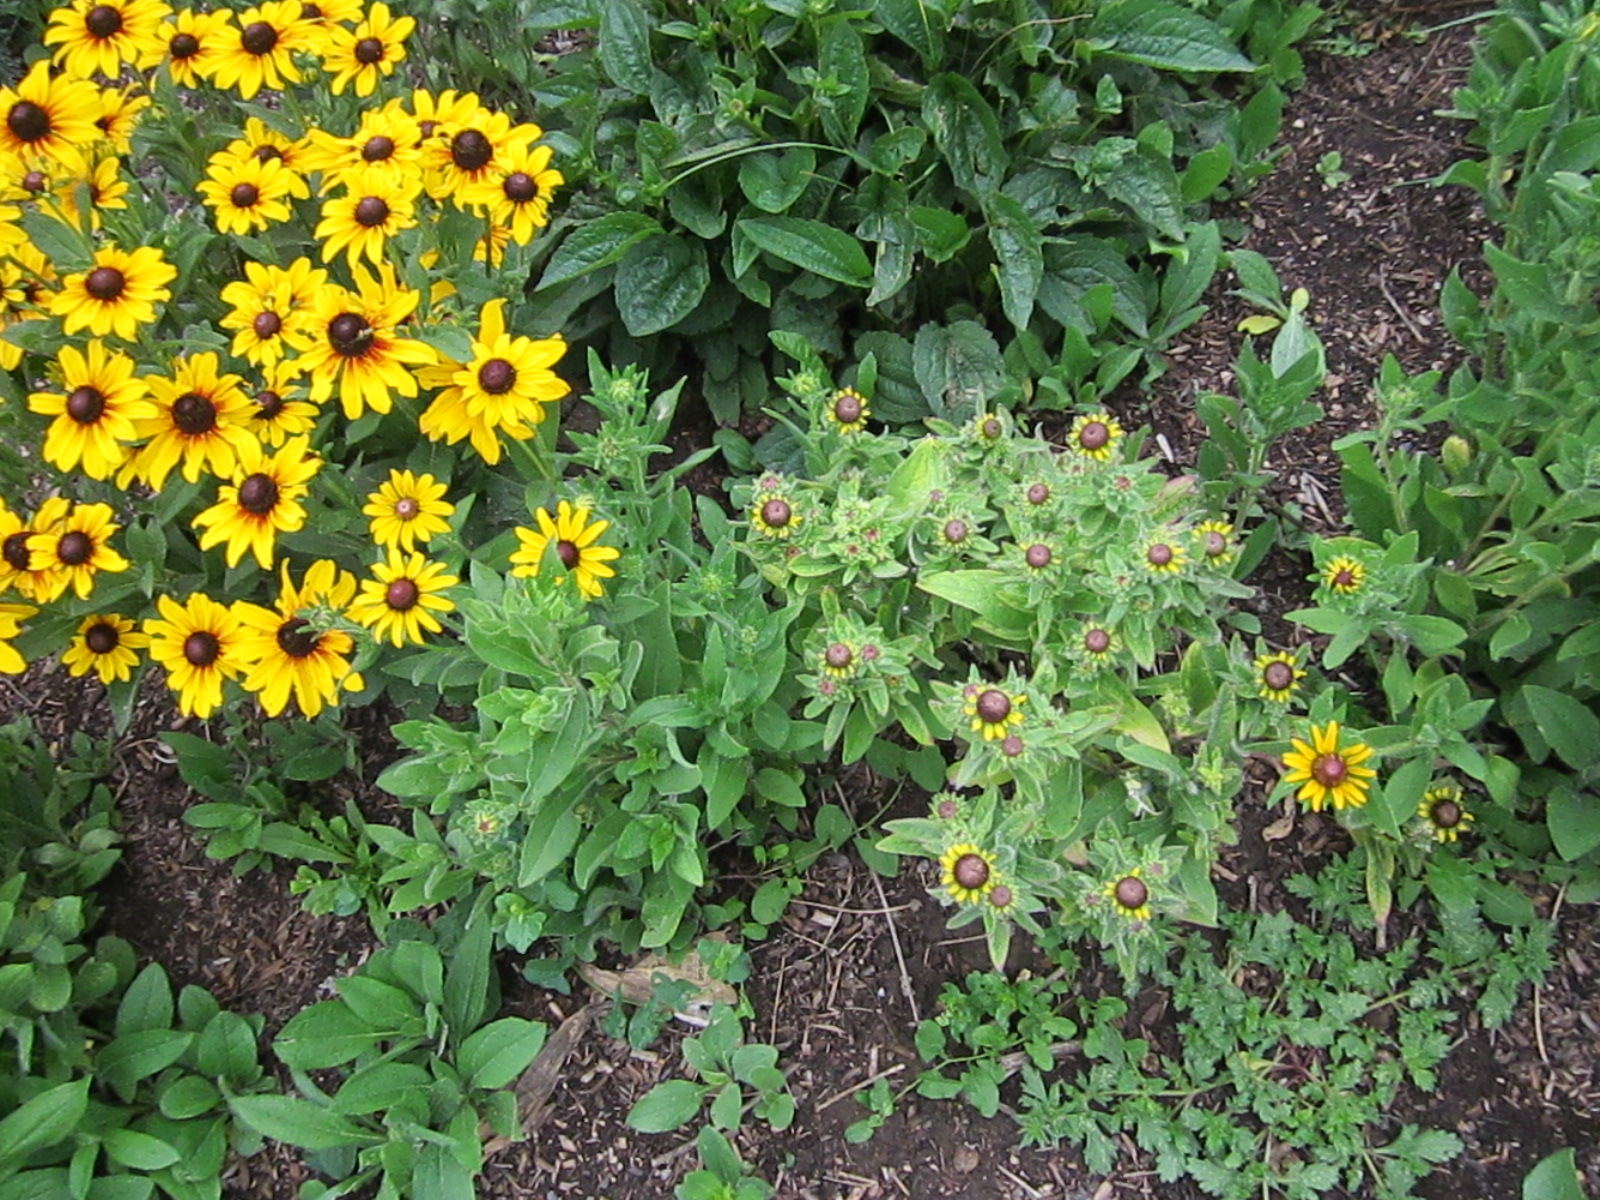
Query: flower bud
point(1456, 453)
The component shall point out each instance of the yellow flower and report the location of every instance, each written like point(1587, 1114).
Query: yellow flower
point(1164, 558)
point(120, 109)
point(102, 184)
point(22, 559)
point(993, 712)
point(774, 516)
point(355, 346)
point(1214, 541)
point(95, 412)
point(47, 114)
point(102, 35)
point(198, 643)
point(1095, 436)
point(367, 53)
point(386, 141)
point(848, 411)
point(576, 546)
point(967, 873)
point(117, 295)
point(293, 654)
point(201, 418)
point(24, 274)
point(193, 42)
point(11, 617)
point(1278, 677)
point(75, 545)
point(469, 148)
point(376, 206)
point(262, 501)
point(1444, 813)
point(398, 603)
point(263, 142)
point(407, 509)
point(271, 310)
point(1327, 772)
point(1344, 575)
point(260, 52)
point(246, 195)
point(279, 415)
point(1130, 896)
point(105, 644)
point(839, 660)
point(517, 194)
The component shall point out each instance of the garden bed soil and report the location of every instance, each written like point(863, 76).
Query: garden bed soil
point(842, 981)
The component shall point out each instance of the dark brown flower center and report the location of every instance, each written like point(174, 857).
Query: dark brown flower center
point(1346, 578)
point(85, 405)
point(427, 128)
point(369, 50)
point(520, 187)
point(201, 648)
point(34, 181)
point(258, 38)
point(1001, 896)
point(1278, 676)
point(994, 706)
point(266, 325)
point(75, 548)
point(1094, 435)
point(568, 553)
point(269, 402)
point(1131, 892)
point(847, 408)
point(105, 283)
point(1038, 493)
point(776, 513)
point(350, 335)
point(948, 810)
point(1011, 747)
point(470, 150)
point(378, 148)
point(1097, 641)
point(402, 594)
point(497, 376)
point(992, 428)
point(372, 211)
point(297, 639)
point(407, 508)
point(971, 871)
point(1330, 770)
point(184, 45)
point(1216, 544)
point(838, 656)
point(194, 414)
point(955, 530)
point(103, 21)
point(1038, 556)
point(102, 638)
point(28, 122)
point(244, 195)
point(268, 152)
point(1446, 814)
point(15, 552)
point(258, 494)
point(311, 12)
point(1159, 555)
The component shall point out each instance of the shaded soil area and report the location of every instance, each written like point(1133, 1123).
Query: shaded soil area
point(842, 981)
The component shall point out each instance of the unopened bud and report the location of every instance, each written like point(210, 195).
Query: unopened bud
point(1456, 453)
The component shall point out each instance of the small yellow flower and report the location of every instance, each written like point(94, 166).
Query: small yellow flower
point(117, 295)
point(848, 410)
point(1327, 772)
point(1444, 813)
point(1163, 557)
point(198, 643)
point(774, 516)
point(1344, 575)
point(967, 873)
point(398, 603)
point(1214, 541)
point(407, 509)
point(1095, 436)
point(105, 644)
point(11, 618)
point(1130, 896)
point(575, 539)
point(993, 712)
point(1278, 677)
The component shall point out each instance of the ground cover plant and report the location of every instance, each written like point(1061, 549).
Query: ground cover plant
point(331, 384)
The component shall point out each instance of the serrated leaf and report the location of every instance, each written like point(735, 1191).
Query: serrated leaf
point(967, 132)
point(1019, 255)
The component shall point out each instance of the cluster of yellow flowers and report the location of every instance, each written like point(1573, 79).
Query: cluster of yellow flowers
point(302, 332)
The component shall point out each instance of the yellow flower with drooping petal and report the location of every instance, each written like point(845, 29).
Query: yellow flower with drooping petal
point(260, 52)
point(25, 274)
point(22, 561)
point(994, 712)
point(375, 206)
point(398, 604)
point(271, 310)
point(359, 57)
point(103, 35)
point(262, 501)
point(47, 114)
point(99, 176)
point(386, 141)
point(262, 141)
point(577, 547)
point(198, 643)
point(356, 348)
point(290, 648)
point(11, 618)
point(105, 644)
point(469, 149)
point(516, 195)
point(120, 109)
point(1328, 772)
point(75, 545)
point(201, 421)
point(407, 509)
point(117, 295)
point(95, 412)
point(280, 411)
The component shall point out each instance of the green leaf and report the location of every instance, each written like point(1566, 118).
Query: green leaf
point(595, 244)
point(1019, 255)
point(136, 1056)
point(1160, 34)
point(188, 1096)
point(496, 1054)
point(625, 44)
point(438, 1175)
point(299, 1122)
point(377, 1004)
point(1555, 1178)
point(1206, 172)
point(660, 282)
point(325, 1035)
point(48, 1118)
point(812, 246)
point(772, 181)
point(842, 56)
point(779, 787)
point(918, 23)
point(1574, 821)
point(466, 982)
point(227, 1049)
point(147, 1004)
point(967, 132)
point(941, 234)
point(1571, 728)
point(383, 1085)
point(958, 366)
point(666, 1107)
point(139, 1151)
point(1145, 181)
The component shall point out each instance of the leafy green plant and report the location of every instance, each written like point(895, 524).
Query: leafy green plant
point(724, 1064)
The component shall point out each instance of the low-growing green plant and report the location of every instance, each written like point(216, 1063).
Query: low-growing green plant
point(724, 1065)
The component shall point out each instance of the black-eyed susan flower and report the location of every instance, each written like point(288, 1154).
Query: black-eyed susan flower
point(322, 15)
point(434, 113)
point(117, 295)
point(470, 150)
point(407, 509)
point(95, 412)
point(1214, 543)
point(387, 140)
point(262, 501)
point(291, 651)
point(1328, 772)
point(967, 873)
point(103, 35)
point(987, 428)
point(259, 51)
point(840, 660)
point(106, 644)
point(1164, 556)
point(491, 247)
point(1095, 436)
point(1344, 575)
point(994, 713)
point(120, 111)
point(94, 180)
point(357, 58)
point(47, 114)
point(11, 618)
point(355, 347)
point(502, 389)
point(375, 206)
point(22, 566)
point(847, 411)
point(577, 546)
point(1038, 556)
point(1097, 646)
point(280, 412)
point(201, 423)
point(774, 515)
point(1278, 677)
point(1444, 812)
point(516, 196)
point(198, 644)
point(193, 41)
point(270, 310)
point(398, 604)
point(262, 141)
point(246, 195)
point(1130, 896)
point(25, 274)
point(75, 545)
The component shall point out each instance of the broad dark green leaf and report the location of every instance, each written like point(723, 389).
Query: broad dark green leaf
point(920, 24)
point(959, 367)
point(1162, 34)
point(967, 132)
point(325, 1035)
point(1019, 256)
point(595, 244)
point(812, 246)
point(1555, 1178)
point(843, 57)
point(47, 1118)
point(1570, 726)
point(496, 1054)
point(299, 1122)
point(659, 282)
point(139, 1151)
point(625, 44)
point(147, 1004)
point(136, 1056)
point(773, 180)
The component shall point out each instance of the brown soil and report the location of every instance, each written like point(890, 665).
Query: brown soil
point(841, 983)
